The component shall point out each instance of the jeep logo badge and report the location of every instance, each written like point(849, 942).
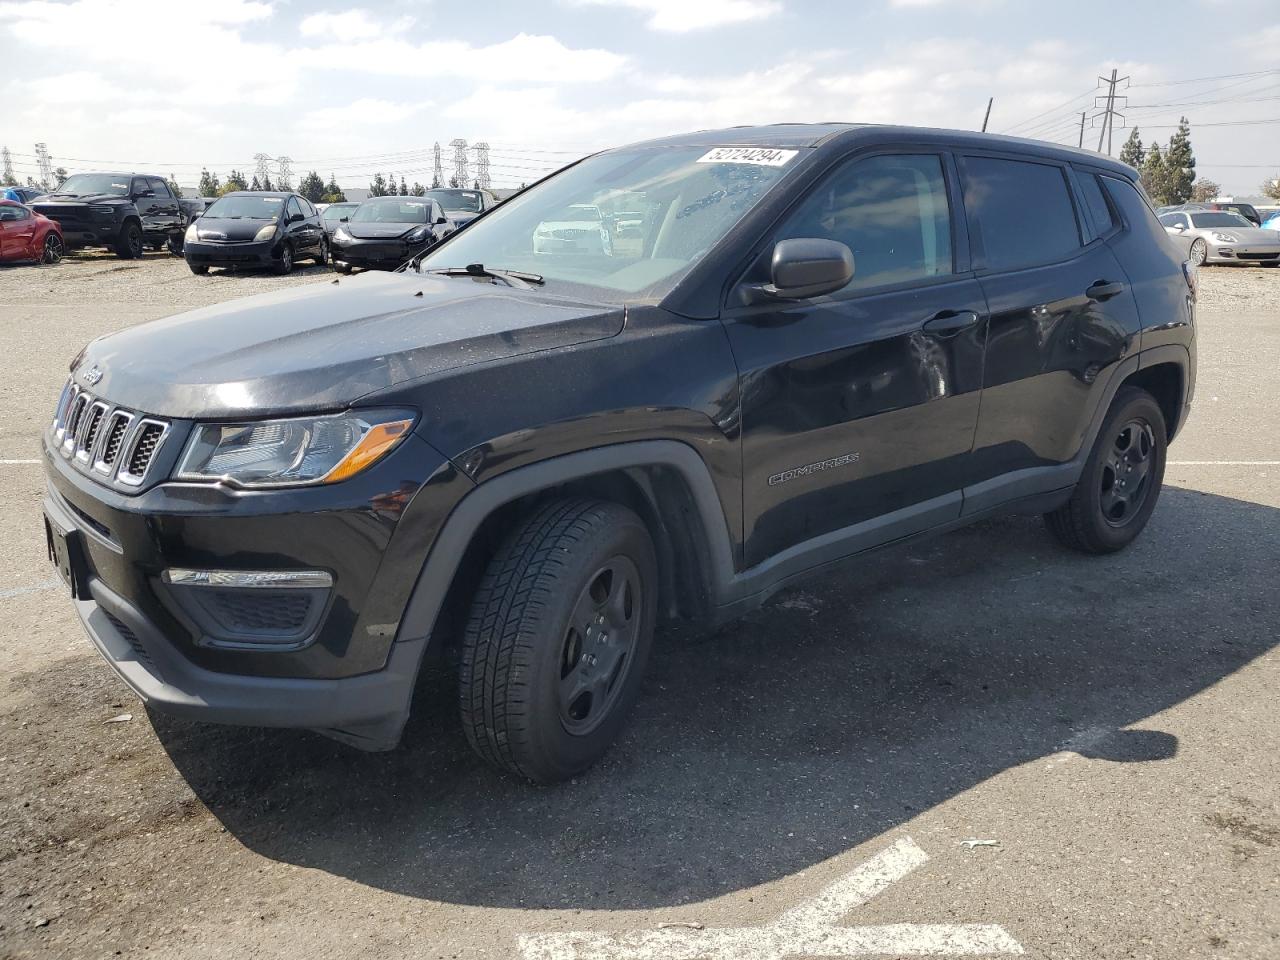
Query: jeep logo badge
point(92, 375)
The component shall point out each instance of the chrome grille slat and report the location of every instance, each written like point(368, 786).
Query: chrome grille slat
point(116, 444)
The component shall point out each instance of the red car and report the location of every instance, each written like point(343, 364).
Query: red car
point(26, 235)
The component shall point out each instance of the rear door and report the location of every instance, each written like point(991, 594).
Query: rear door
point(144, 198)
point(168, 209)
point(858, 408)
point(1062, 318)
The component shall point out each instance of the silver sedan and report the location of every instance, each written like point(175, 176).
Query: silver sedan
point(1219, 236)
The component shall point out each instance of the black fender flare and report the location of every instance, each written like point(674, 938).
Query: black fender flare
point(472, 510)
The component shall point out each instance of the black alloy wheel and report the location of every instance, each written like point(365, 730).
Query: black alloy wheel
point(1127, 472)
point(52, 250)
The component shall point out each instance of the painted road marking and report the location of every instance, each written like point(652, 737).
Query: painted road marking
point(808, 930)
point(51, 584)
point(10, 463)
point(1224, 463)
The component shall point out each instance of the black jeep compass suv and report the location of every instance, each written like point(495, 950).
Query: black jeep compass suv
point(815, 341)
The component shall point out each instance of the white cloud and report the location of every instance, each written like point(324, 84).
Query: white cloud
point(354, 24)
point(681, 16)
point(367, 111)
point(525, 58)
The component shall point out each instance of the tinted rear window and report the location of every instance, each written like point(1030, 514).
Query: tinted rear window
point(1023, 209)
point(1096, 202)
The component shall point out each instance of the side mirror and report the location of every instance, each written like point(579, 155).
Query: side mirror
point(441, 220)
point(1179, 227)
point(343, 219)
point(296, 218)
point(144, 194)
point(807, 267)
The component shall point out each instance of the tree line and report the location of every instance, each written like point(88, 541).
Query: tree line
point(1169, 173)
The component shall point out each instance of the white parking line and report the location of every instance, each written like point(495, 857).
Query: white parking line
point(1224, 463)
point(808, 930)
point(50, 584)
point(10, 463)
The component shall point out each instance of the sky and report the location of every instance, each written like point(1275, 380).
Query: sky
point(358, 89)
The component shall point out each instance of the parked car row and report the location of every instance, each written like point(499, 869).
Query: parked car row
point(1221, 236)
point(27, 235)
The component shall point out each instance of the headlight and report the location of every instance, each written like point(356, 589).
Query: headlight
point(418, 235)
point(101, 209)
point(266, 233)
point(284, 453)
point(1225, 238)
point(192, 235)
point(341, 234)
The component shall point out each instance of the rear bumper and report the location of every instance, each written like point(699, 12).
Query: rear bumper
point(201, 253)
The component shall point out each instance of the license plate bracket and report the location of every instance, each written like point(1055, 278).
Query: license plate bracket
point(66, 555)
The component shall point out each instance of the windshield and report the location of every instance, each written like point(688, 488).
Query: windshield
point(246, 208)
point(94, 184)
point(1219, 219)
point(337, 211)
point(399, 210)
point(465, 201)
point(627, 224)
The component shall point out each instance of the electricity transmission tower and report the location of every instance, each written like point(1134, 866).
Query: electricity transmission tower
point(460, 161)
point(437, 172)
point(263, 172)
point(1109, 112)
point(482, 165)
point(7, 175)
point(285, 180)
point(45, 165)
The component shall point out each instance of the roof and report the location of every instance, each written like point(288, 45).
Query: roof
point(260, 193)
point(844, 135)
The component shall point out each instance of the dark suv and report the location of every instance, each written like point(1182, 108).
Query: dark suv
point(825, 339)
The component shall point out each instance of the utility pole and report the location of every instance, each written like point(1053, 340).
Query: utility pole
point(1109, 113)
point(1081, 143)
point(990, 100)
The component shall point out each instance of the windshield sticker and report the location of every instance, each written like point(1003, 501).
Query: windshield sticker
point(121, 186)
point(759, 156)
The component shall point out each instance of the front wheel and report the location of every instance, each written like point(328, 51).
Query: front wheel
point(1121, 481)
point(52, 250)
point(285, 264)
point(558, 637)
point(199, 269)
point(322, 257)
point(129, 244)
point(1199, 252)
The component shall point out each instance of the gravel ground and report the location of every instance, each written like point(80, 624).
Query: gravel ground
point(1111, 724)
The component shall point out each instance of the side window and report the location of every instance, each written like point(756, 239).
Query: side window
point(160, 187)
point(307, 209)
point(291, 208)
point(1023, 211)
point(1095, 201)
point(140, 186)
point(1174, 220)
point(891, 211)
point(1133, 206)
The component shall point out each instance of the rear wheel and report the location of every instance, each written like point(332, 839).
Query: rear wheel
point(1121, 481)
point(129, 243)
point(558, 637)
point(1199, 252)
point(285, 264)
point(52, 250)
point(322, 257)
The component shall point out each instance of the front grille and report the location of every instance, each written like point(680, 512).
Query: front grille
point(124, 630)
point(116, 444)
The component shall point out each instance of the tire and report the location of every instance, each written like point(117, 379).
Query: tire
point(175, 245)
point(322, 257)
point(199, 269)
point(128, 245)
point(284, 265)
point(52, 249)
point(1199, 252)
point(342, 267)
point(1121, 481)
point(557, 640)
point(157, 246)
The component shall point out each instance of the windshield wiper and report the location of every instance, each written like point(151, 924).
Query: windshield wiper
point(496, 273)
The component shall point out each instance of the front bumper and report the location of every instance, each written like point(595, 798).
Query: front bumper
point(203, 253)
point(352, 680)
point(1249, 253)
point(376, 254)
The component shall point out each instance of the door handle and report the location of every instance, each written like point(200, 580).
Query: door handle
point(1102, 290)
point(950, 322)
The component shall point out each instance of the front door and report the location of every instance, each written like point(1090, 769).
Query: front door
point(859, 408)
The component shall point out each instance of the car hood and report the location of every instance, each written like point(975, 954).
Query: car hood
point(325, 345)
point(218, 228)
point(380, 231)
point(57, 198)
point(570, 225)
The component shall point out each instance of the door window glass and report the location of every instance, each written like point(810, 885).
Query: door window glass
point(891, 211)
point(1023, 211)
point(160, 188)
point(291, 208)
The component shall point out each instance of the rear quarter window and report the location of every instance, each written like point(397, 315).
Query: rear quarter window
point(1096, 203)
point(1022, 210)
